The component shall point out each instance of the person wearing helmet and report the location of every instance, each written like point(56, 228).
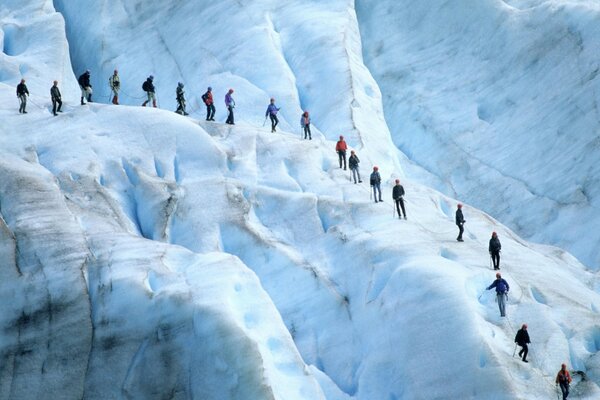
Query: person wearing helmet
point(86, 87)
point(114, 82)
point(230, 104)
point(460, 221)
point(522, 339)
point(305, 124)
point(494, 249)
point(271, 112)
point(341, 148)
point(56, 98)
point(563, 378)
point(398, 196)
point(353, 162)
point(22, 93)
point(180, 97)
point(207, 98)
point(148, 87)
point(375, 180)
point(502, 289)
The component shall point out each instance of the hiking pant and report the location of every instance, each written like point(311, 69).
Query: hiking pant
point(115, 92)
point(354, 170)
point(524, 351)
point(181, 107)
point(400, 205)
point(307, 131)
point(151, 98)
point(210, 112)
point(274, 121)
point(54, 103)
point(501, 299)
point(461, 229)
point(230, 115)
point(496, 259)
point(564, 387)
point(22, 102)
point(376, 188)
point(86, 93)
point(342, 157)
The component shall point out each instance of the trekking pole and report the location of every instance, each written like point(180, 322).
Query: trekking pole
point(491, 262)
point(515, 350)
point(371, 193)
point(393, 211)
point(265, 121)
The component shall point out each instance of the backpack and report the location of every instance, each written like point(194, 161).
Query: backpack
point(205, 97)
point(501, 286)
point(145, 87)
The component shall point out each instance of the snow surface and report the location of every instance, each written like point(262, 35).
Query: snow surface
point(148, 255)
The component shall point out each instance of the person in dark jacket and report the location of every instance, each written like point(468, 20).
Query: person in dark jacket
point(460, 221)
point(494, 250)
point(56, 98)
point(340, 148)
point(522, 339)
point(398, 196)
point(305, 124)
point(207, 98)
point(353, 162)
point(86, 87)
point(375, 180)
point(502, 289)
point(230, 104)
point(271, 112)
point(180, 99)
point(22, 94)
point(563, 378)
point(148, 87)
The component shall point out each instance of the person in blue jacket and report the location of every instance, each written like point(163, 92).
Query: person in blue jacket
point(272, 114)
point(502, 289)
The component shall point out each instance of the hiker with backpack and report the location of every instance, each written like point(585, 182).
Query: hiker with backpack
point(563, 378)
point(230, 104)
point(180, 99)
point(460, 221)
point(272, 114)
point(305, 125)
point(494, 249)
point(56, 98)
point(502, 289)
point(22, 94)
point(340, 148)
point(114, 82)
point(398, 196)
point(148, 87)
point(375, 180)
point(207, 98)
point(522, 339)
point(353, 162)
point(86, 87)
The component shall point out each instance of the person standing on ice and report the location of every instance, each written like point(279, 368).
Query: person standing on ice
point(148, 87)
point(460, 221)
point(305, 124)
point(56, 98)
point(398, 196)
point(502, 289)
point(22, 94)
point(341, 148)
point(180, 99)
point(272, 114)
point(353, 162)
point(563, 378)
point(230, 104)
point(376, 183)
point(522, 339)
point(115, 84)
point(86, 87)
point(207, 98)
point(494, 249)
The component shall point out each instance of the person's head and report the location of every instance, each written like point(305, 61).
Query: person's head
point(459, 205)
point(524, 326)
point(341, 137)
point(209, 89)
point(397, 181)
point(55, 83)
point(563, 366)
point(494, 234)
point(352, 152)
point(87, 71)
point(306, 113)
point(230, 91)
point(272, 100)
point(180, 84)
point(375, 168)
point(498, 275)
point(23, 80)
point(151, 77)
point(116, 72)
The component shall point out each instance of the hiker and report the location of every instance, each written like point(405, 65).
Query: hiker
point(180, 99)
point(353, 162)
point(522, 339)
point(272, 114)
point(494, 250)
point(305, 124)
point(502, 289)
point(376, 183)
point(207, 98)
point(398, 196)
point(115, 84)
point(460, 221)
point(341, 148)
point(86, 87)
point(56, 98)
point(230, 104)
point(148, 87)
point(22, 94)
point(563, 378)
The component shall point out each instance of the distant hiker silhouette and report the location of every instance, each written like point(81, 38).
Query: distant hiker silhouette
point(22, 94)
point(460, 221)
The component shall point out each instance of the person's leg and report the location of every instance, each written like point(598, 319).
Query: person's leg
point(59, 105)
point(460, 231)
point(272, 118)
point(88, 91)
point(358, 173)
point(212, 112)
point(403, 209)
point(340, 158)
point(208, 112)
point(153, 100)
point(54, 107)
point(276, 122)
point(375, 193)
point(353, 173)
point(344, 156)
point(147, 99)
point(83, 95)
point(309, 134)
point(502, 304)
point(305, 131)
point(398, 208)
point(525, 352)
point(378, 189)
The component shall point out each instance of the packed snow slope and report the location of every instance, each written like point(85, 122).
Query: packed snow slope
point(499, 101)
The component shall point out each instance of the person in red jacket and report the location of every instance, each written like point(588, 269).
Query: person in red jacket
point(341, 148)
point(563, 378)
point(210, 106)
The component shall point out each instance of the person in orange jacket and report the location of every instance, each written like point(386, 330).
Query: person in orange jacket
point(563, 378)
point(341, 148)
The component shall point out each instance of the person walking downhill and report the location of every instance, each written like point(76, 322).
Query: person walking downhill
point(180, 93)
point(502, 289)
point(398, 196)
point(353, 162)
point(148, 87)
point(460, 221)
point(272, 114)
point(305, 124)
point(86, 87)
point(22, 94)
point(114, 82)
point(376, 183)
point(56, 98)
point(207, 98)
point(230, 104)
point(494, 250)
point(563, 378)
point(341, 148)
point(522, 339)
